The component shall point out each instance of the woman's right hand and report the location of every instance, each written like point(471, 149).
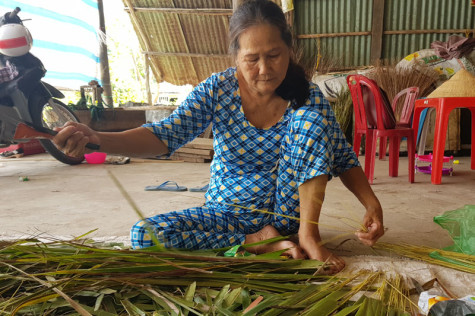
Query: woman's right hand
point(73, 137)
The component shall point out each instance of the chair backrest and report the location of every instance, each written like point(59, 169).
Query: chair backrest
point(371, 106)
point(410, 95)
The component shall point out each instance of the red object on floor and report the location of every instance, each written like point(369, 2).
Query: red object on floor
point(29, 148)
point(443, 107)
point(363, 125)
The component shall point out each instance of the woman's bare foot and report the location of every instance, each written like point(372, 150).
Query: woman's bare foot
point(315, 250)
point(269, 232)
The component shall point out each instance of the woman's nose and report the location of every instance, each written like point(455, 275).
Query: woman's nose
point(263, 67)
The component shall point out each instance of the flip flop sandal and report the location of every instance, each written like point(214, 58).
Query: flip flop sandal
point(202, 189)
point(166, 186)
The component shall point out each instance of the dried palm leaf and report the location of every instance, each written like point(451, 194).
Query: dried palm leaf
point(101, 279)
point(450, 259)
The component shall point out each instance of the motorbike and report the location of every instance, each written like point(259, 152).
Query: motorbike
point(26, 99)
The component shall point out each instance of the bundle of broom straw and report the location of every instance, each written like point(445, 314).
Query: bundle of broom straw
point(393, 79)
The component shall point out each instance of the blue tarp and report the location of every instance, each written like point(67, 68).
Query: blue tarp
point(66, 38)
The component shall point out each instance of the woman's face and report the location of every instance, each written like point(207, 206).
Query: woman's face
point(263, 58)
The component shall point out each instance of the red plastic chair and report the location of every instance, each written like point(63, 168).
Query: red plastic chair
point(410, 95)
point(364, 124)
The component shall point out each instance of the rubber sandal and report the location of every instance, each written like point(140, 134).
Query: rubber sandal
point(166, 186)
point(202, 189)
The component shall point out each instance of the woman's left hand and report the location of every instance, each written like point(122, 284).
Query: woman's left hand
point(375, 229)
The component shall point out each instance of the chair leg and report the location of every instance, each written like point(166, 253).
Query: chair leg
point(472, 164)
point(411, 155)
point(383, 143)
point(394, 144)
point(357, 144)
point(370, 152)
point(440, 132)
point(373, 156)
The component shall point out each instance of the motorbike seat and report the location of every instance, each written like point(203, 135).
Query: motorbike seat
point(26, 80)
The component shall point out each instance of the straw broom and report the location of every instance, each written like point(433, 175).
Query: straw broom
point(393, 79)
point(343, 109)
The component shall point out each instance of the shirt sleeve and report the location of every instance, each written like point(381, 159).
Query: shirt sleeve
point(319, 145)
point(189, 120)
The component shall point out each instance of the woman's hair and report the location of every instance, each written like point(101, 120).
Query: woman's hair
point(254, 12)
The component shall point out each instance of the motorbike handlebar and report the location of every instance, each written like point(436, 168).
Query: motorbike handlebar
point(14, 13)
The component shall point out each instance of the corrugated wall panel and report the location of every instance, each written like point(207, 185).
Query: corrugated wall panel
point(407, 15)
point(335, 16)
point(342, 16)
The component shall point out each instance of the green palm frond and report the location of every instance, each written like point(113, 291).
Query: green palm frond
point(58, 277)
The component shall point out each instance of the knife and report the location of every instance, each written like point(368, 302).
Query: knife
point(27, 130)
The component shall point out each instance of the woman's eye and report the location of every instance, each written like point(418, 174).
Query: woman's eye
point(274, 56)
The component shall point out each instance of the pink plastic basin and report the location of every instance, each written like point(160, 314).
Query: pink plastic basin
point(95, 158)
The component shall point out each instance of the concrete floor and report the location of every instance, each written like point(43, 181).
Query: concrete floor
point(68, 201)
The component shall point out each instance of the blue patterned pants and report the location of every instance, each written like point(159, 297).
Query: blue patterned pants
point(206, 227)
point(312, 146)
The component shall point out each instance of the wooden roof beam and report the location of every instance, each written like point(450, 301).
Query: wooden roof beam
point(186, 54)
point(197, 11)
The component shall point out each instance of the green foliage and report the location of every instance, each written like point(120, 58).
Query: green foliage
point(122, 94)
point(57, 277)
point(85, 103)
point(126, 61)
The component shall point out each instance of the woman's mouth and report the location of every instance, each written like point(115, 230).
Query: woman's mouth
point(265, 79)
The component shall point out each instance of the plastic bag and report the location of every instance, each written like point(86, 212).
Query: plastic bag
point(460, 224)
point(461, 307)
point(433, 303)
point(427, 299)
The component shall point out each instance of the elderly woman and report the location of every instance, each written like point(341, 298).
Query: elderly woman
point(276, 143)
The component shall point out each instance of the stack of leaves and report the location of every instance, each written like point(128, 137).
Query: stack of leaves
point(54, 277)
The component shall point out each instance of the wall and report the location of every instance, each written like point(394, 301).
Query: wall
point(347, 31)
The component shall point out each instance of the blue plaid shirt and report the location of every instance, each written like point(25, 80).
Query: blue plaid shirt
point(244, 169)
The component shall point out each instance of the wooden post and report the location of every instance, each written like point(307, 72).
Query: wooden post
point(147, 79)
point(377, 29)
point(104, 59)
